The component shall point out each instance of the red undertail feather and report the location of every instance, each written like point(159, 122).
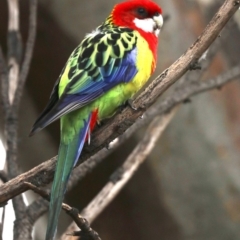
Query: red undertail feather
point(93, 121)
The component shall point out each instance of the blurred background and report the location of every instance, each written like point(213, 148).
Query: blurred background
point(189, 187)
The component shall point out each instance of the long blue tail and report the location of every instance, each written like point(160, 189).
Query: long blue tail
point(68, 155)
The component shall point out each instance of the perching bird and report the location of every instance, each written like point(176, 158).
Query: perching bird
point(108, 67)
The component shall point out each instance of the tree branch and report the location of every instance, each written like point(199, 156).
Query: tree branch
point(86, 233)
point(122, 175)
point(16, 186)
point(28, 52)
point(43, 173)
point(14, 47)
point(12, 86)
point(119, 123)
point(11, 120)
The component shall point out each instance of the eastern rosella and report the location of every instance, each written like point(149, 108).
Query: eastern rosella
point(108, 67)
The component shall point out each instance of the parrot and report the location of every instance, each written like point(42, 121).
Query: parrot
point(104, 72)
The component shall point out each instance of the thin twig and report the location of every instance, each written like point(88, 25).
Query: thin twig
point(86, 233)
point(44, 194)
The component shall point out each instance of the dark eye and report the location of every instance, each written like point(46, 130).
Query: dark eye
point(142, 12)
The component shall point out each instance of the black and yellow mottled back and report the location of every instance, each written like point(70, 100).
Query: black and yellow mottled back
point(105, 58)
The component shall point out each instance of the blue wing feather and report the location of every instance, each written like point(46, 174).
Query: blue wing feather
point(85, 86)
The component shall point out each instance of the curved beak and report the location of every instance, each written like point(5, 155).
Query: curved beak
point(158, 23)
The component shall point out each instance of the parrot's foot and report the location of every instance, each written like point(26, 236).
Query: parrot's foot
point(130, 104)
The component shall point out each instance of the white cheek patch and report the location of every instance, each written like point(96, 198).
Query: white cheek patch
point(147, 25)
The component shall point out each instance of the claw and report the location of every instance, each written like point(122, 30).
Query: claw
point(130, 104)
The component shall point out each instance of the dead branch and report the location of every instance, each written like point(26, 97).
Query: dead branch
point(122, 175)
point(29, 51)
point(12, 79)
point(43, 173)
point(86, 231)
point(118, 124)
point(11, 120)
point(14, 186)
